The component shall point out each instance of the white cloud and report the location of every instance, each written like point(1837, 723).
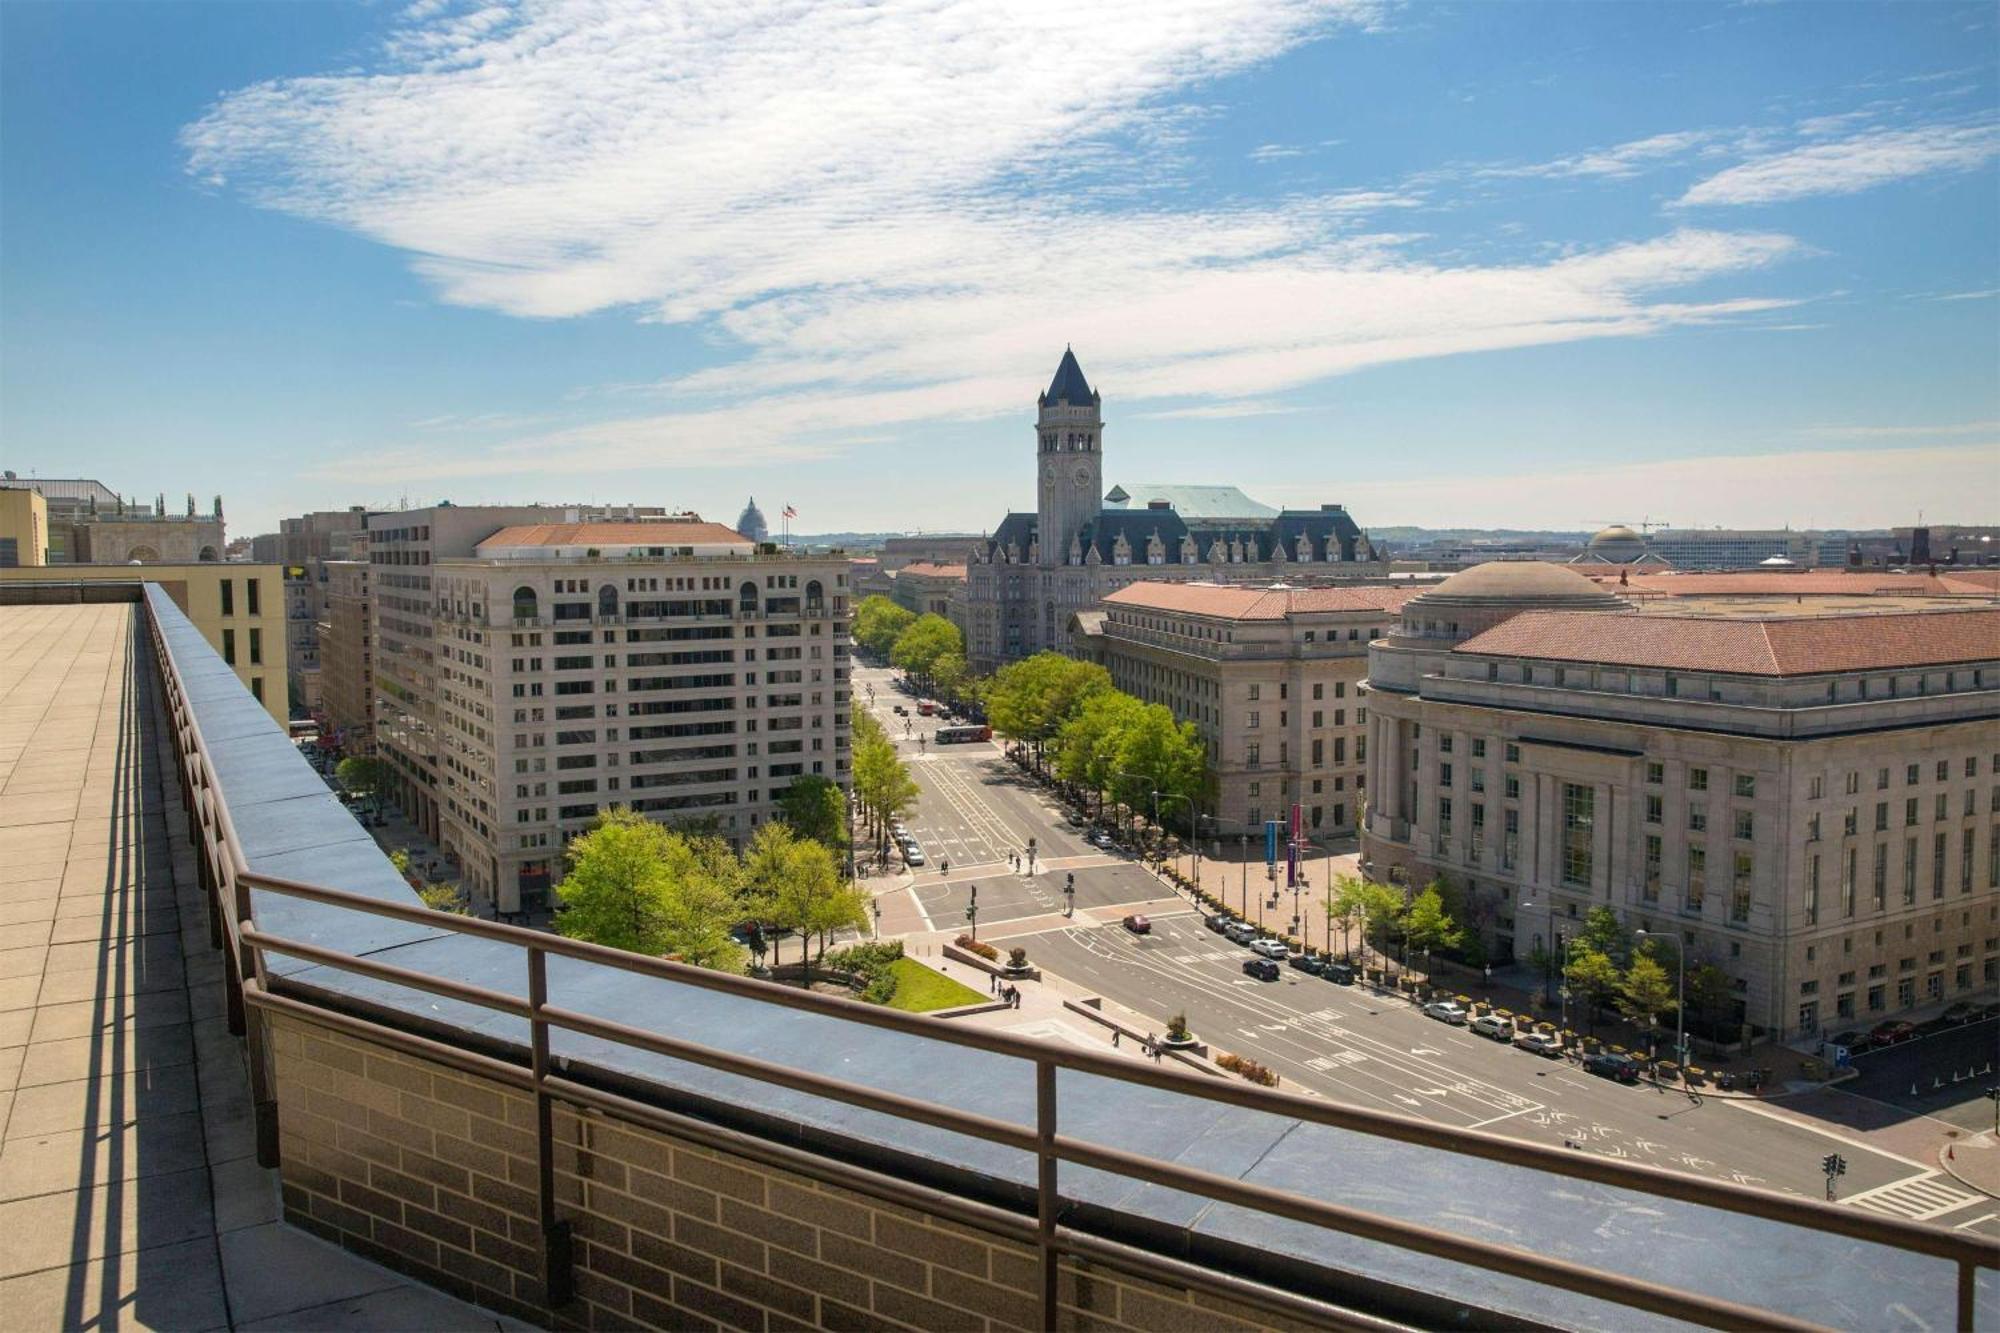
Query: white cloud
point(1625, 159)
point(1225, 411)
point(890, 215)
point(1991, 428)
point(1841, 488)
point(1849, 165)
point(1273, 152)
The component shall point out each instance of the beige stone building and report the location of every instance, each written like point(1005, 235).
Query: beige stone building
point(1806, 791)
point(663, 665)
point(347, 657)
point(928, 588)
point(24, 528)
point(1270, 677)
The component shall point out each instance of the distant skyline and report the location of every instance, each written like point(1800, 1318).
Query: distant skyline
point(1546, 266)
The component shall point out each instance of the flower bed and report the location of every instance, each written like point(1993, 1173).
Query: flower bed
point(1249, 1069)
point(984, 950)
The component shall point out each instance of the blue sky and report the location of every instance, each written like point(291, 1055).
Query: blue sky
point(1480, 264)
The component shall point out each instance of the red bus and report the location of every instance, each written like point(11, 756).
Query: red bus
point(952, 735)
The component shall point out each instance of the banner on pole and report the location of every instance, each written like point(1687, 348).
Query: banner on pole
point(1271, 827)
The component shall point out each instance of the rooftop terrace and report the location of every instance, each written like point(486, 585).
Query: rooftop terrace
point(577, 1136)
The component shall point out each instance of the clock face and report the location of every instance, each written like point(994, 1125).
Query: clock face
point(1082, 474)
point(1048, 470)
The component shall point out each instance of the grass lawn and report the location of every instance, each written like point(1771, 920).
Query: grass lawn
point(920, 990)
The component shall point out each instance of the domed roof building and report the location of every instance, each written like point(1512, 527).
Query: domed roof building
point(1619, 545)
point(1475, 600)
point(751, 523)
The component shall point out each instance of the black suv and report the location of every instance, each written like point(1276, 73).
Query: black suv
point(1605, 1064)
point(1261, 968)
point(1311, 963)
point(1339, 973)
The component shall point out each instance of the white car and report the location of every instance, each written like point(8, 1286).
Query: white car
point(1272, 949)
point(1446, 1011)
point(1494, 1026)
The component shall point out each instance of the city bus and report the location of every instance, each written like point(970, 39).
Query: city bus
point(952, 735)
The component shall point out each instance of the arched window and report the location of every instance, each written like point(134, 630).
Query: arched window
point(815, 596)
point(207, 556)
point(142, 555)
point(607, 602)
point(746, 597)
point(525, 607)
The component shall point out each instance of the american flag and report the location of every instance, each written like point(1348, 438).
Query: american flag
point(791, 512)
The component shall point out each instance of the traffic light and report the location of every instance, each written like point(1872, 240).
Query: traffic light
point(1834, 1164)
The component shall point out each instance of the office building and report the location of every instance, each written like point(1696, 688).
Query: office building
point(1805, 791)
point(24, 528)
point(346, 658)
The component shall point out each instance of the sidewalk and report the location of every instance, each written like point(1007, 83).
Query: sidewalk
point(1974, 1162)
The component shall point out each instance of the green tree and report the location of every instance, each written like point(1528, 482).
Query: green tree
point(948, 674)
point(1711, 998)
point(882, 781)
point(928, 638)
point(1646, 992)
point(1594, 978)
point(1031, 699)
point(1603, 932)
point(796, 884)
point(615, 893)
point(877, 622)
point(816, 808)
point(1161, 755)
point(1087, 746)
point(1375, 906)
point(362, 774)
point(440, 897)
point(400, 859)
point(705, 900)
point(1426, 925)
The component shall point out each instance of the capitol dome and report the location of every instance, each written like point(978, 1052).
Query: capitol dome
point(751, 522)
point(1477, 599)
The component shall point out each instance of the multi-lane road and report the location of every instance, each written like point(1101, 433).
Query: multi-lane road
point(976, 810)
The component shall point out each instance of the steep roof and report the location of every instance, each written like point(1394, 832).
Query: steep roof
point(1247, 602)
point(1069, 382)
point(616, 534)
point(1778, 646)
point(1190, 502)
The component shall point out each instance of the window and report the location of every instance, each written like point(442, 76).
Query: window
point(1256, 691)
point(229, 597)
point(1444, 745)
point(1697, 818)
point(1817, 788)
point(1256, 720)
point(1847, 884)
point(1512, 787)
point(1910, 778)
point(1697, 779)
point(257, 688)
point(1444, 775)
point(1513, 754)
point(1510, 837)
point(1881, 816)
point(1739, 889)
point(1654, 809)
point(1909, 871)
point(1650, 886)
point(1937, 865)
point(1848, 823)
point(256, 646)
point(1579, 805)
point(229, 642)
point(1746, 785)
point(1656, 773)
point(1881, 884)
point(1746, 824)
point(252, 587)
point(1479, 750)
point(1812, 891)
point(1910, 813)
point(1697, 885)
point(1444, 817)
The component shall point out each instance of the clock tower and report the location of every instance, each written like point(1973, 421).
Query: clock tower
point(1069, 437)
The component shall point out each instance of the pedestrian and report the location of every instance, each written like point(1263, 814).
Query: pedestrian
point(992, 983)
point(1114, 1038)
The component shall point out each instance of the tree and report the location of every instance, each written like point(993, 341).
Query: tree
point(796, 884)
point(615, 891)
point(1031, 699)
point(877, 622)
point(882, 782)
point(1165, 755)
point(440, 897)
point(1645, 993)
point(1426, 925)
point(1087, 745)
point(362, 774)
point(1711, 997)
point(1603, 932)
point(928, 638)
point(1375, 906)
point(1594, 977)
point(948, 673)
point(816, 808)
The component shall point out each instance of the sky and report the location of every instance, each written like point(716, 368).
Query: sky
point(1493, 265)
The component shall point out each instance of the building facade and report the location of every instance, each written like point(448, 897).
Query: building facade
point(1806, 794)
point(90, 524)
point(1272, 679)
point(1082, 542)
point(927, 588)
point(347, 657)
point(663, 666)
point(24, 528)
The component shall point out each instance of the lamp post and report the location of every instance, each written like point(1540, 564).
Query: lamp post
point(1243, 846)
point(1680, 992)
point(1194, 834)
point(877, 905)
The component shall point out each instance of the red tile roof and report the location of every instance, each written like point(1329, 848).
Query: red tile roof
point(925, 569)
point(1810, 583)
point(1775, 646)
point(616, 534)
point(1246, 602)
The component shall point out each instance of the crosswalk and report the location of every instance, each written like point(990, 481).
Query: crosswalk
point(1915, 1198)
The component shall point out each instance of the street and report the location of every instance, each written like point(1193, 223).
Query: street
point(1349, 1043)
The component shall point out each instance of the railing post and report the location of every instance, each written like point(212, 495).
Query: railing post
point(1968, 1295)
point(1045, 1191)
point(557, 1278)
point(247, 964)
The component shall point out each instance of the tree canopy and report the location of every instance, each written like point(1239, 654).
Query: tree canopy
point(633, 884)
point(816, 808)
point(924, 642)
point(795, 882)
point(1030, 700)
point(362, 774)
point(1426, 924)
point(1646, 992)
point(877, 622)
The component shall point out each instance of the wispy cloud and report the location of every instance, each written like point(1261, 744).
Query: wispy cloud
point(1249, 407)
point(894, 215)
point(1849, 165)
point(1983, 294)
point(1621, 160)
point(1275, 152)
point(1903, 432)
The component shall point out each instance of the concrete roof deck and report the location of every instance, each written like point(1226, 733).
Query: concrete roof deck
point(130, 1196)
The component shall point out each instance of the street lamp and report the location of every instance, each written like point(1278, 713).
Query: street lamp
point(1680, 991)
point(1243, 847)
point(877, 905)
point(972, 912)
point(1194, 834)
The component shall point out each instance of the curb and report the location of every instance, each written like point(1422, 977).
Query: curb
point(1945, 1165)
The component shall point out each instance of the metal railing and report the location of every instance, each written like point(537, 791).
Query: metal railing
point(250, 987)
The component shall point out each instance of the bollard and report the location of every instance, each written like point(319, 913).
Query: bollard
point(1913, 1089)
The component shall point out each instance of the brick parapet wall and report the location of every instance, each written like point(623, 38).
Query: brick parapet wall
point(432, 1172)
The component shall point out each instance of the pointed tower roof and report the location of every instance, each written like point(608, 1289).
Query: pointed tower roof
point(1069, 382)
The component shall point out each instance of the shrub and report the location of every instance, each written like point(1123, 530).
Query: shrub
point(1249, 1069)
point(1017, 957)
point(1177, 1028)
point(881, 987)
point(980, 947)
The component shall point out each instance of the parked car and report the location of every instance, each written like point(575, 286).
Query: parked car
point(1962, 1012)
point(1311, 963)
point(1540, 1043)
point(1855, 1042)
point(1605, 1064)
point(901, 711)
point(1219, 923)
point(1102, 838)
point(1269, 948)
point(1240, 932)
point(1891, 1032)
point(899, 830)
point(1494, 1026)
point(1138, 924)
point(1341, 974)
point(1446, 1011)
point(1261, 968)
point(913, 854)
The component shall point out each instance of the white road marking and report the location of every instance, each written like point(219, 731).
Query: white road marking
point(1854, 1143)
point(1914, 1197)
point(1989, 1217)
point(1494, 1120)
